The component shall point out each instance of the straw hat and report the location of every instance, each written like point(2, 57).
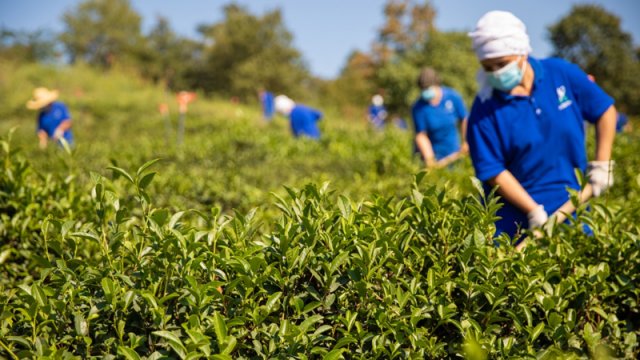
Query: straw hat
point(41, 98)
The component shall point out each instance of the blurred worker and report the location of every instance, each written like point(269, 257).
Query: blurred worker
point(54, 121)
point(622, 123)
point(399, 122)
point(377, 112)
point(525, 127)
point(436, 115)
point(304, 120)
point(266, 102)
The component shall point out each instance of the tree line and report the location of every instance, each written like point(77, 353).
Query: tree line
point(243, 52)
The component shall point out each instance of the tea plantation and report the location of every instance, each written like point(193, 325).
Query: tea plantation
point(244, 243)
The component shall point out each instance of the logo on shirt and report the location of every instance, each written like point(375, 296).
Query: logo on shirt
point(563, 100)
point(448, 105)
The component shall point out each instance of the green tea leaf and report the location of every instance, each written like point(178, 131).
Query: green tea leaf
point(145, 166)
point(220, 327)
point(174, 342)
point(121, 172)
point(536, 332)
point(128, 353)
point(334, 354)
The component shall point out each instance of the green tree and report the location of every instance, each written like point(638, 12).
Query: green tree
point(167, 56)
point(406, 28)
point(247, 52)
point(449, 53)
point(37, 46)
point(592, 38)
point(102, 32)
point(408, 41)
point(355, 85)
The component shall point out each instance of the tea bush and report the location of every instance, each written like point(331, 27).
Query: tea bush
point(205, 254)
point(380, 278)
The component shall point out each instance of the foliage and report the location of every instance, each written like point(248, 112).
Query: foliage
point(399, 81)
point(106, 252)
point(102, 32)
point(591, 37)
point(167, 57)
point(236, 170)
point(408, 41)
point(27, 46)
point(449, 53)
point(408, 23)
point(352, 90)
point(247, 52)
point(381, 278)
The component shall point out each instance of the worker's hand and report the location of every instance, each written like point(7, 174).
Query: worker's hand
point(464, 148)
point(537, 217)
point(58, 133)
point(430, 163)
point(600, 175)
point(43, 143)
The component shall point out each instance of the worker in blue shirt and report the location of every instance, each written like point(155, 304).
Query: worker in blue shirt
point(525, 127)
point(304, 120)
point(266, 102)
point(54, 121)
point(622, 122)
point(436, 116)
point(377, 112)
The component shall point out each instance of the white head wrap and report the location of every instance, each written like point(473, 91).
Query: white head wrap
point(284, 105)
point(497, 34)
point(500, 33)
point(377, 100)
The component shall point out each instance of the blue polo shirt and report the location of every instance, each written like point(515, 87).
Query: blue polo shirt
point(377, 115)
point(51, 117)
point(540, 138)
point(621, 122)
point(268, 109)
point(304, 121)
point(440, 121)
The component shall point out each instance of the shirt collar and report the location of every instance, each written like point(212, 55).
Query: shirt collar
point(538, 71)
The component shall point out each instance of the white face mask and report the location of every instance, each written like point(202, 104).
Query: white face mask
point(429, 93)
point(507, 77)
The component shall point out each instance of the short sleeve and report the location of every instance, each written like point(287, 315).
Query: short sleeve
point(621, 121)
point(592, 100)
point(419, 121)
point(461, 110)
point(484, 143)
point(64, 112)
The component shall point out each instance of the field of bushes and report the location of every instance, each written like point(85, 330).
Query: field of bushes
point(244, 243)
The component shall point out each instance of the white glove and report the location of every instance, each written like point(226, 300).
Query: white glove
point(57, 134)
point(600, 175)
point(537, 217)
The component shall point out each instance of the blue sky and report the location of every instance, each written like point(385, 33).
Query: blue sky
point(327, 31)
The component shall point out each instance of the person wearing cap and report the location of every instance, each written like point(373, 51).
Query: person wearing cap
point(436, 115)
point(525, 126)
point(54, 121)
point(377, 113)
point(304, 120)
